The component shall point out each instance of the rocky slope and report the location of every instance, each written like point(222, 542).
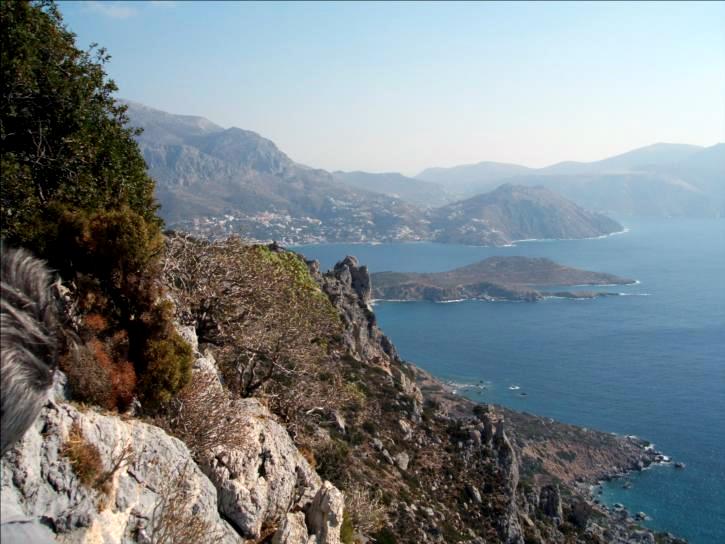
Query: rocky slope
point(499, 278)
point(514, 212)
point(341, 441)
point(146, 486)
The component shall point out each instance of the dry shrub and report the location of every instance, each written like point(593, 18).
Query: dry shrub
point(269, 325)
point(96, 323)
point(86, 460)
point(203, 416)
point(173, 520)
point(123, 383)
point(365, 509)
point(95, 377)
point(88, 381)
point(309, 456)
point(84, 457)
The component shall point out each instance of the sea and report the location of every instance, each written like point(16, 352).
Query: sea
point(649, 363)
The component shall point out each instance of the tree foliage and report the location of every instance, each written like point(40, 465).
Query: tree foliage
point(76, 192)
point(268, 324)
point(65, 143)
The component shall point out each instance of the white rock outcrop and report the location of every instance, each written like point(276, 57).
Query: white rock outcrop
point(156, 487)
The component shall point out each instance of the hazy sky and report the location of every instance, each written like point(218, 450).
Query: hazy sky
point(400, 87)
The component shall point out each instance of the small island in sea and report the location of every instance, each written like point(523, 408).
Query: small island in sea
point(496, 278)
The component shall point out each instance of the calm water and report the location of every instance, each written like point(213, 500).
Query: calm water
point(650, 364)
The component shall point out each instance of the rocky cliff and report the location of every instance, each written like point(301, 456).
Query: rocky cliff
point(95, 477)
point(339, 441)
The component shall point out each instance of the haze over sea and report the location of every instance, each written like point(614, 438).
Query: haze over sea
point(652, 365)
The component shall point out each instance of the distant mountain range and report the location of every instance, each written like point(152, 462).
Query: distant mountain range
point(660, 180)
point(416, 191)
point(215, 181)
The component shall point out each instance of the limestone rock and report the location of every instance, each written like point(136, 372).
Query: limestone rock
point(324, 517)
point(155, 487)
point(264, 477)
point(292, 530)
point(402, 459)
point(348, 287)
point(550, 501)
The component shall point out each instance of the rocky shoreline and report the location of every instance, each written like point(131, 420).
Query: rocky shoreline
point(579, 459)
point(376, 449)
point(520, 279)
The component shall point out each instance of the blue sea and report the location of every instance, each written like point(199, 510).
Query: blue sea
point(651, 363)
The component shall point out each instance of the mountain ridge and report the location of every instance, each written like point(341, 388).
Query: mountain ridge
point(659, 180)
point(216, 181)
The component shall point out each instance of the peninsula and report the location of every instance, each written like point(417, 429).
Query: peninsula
point(495, 278)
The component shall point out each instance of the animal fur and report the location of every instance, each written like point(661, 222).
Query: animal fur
point(28, 342)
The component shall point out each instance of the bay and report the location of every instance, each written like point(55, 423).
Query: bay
point(650, 363)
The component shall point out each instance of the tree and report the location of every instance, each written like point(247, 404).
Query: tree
point(76, 192)
point(65, 143)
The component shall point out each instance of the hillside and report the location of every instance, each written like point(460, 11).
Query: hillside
point(512, 213)
point(660, 180)
point(214, 182)
point(421, 193)
point(218, 181)
point(507, 278)
point(279, 438)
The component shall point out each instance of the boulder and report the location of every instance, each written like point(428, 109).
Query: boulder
point(324, 516)
point(402, 459)
point(292, 530)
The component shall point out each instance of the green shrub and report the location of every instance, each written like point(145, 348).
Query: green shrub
point(76, 192)
point(168, 359)
point(65, 140)
point(347, 531)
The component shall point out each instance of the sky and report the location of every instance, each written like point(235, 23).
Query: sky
point(405, 86)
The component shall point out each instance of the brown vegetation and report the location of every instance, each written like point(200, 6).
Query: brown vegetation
point(83, 456)
point(173, 520)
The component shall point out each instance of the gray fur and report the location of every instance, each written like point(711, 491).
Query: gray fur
point(28, 342)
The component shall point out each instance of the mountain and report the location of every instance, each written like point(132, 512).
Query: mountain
point(467, 176)
point(515, 212)
point(660, 180)
point(214, 182)
point(507, 278)
point(642, 194)
point(704, 169)
point(217, 181)
point(422, 193)
point(636, 160)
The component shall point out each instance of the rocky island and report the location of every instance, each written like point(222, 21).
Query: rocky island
point(496, 278)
